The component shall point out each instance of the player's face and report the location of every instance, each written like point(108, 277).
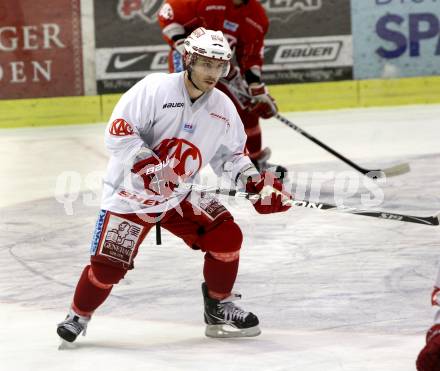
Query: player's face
point(207, 71)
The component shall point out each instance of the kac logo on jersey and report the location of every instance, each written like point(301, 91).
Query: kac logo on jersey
point(178, 160)
point(187, 157)
point(166, 12)
point(187, 126)
point(231, 26)
point(120, 128)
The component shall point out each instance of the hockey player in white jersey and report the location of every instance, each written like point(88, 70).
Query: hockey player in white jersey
point(162, 132)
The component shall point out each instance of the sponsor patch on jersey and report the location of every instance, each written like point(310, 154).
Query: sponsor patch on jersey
point(215, 7)
point(254, 24)
point(222, 118)
point(173, 105)
point(187, 126)
point(120, 128)
point(134, 197)
point(97, 232)
point(121, 239)
point(231, 26)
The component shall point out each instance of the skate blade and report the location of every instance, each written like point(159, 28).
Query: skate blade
point(64, 345)
point(225, 331)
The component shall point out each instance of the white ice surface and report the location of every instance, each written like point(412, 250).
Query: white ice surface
point(332, 291)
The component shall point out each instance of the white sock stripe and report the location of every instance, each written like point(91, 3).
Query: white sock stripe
point(94, 281)
point(226, 257)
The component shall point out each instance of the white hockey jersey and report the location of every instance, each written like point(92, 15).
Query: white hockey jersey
point(158, 113)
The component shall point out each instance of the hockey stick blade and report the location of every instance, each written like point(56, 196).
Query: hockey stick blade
point(425, 220)
point(397, 169)
point(387, 172)
point(373, 174)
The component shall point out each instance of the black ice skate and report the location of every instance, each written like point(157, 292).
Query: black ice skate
point(72, 326)
point(262, 165)
point(225, 320)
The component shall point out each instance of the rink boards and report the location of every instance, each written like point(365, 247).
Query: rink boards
point(290, 97)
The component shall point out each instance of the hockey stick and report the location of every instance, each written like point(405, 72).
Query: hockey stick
point(378, 173)
point(426, 220)
point(374, 174)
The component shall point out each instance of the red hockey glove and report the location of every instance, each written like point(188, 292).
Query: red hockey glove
point(157, 174)
point(429, 357)
point(233, 75)
point(273, 198)
point(263, 104)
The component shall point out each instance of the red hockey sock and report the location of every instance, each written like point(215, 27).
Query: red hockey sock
point(88, 296)
point(253, 143)
point(253, 132)
point(219, 276)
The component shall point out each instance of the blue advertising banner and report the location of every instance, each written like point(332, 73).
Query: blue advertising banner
point(308, 41)
point(396, 38)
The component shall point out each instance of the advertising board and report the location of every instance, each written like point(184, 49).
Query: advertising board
point(395, 38)
point(40, 49)
point(308, 40)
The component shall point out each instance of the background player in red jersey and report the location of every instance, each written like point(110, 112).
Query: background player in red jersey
point(244, 23)
point(429, 357)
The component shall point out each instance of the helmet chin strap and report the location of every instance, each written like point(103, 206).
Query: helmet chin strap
point(189, 70)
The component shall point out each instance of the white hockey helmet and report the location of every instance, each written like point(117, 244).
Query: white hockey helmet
point(209, 44)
